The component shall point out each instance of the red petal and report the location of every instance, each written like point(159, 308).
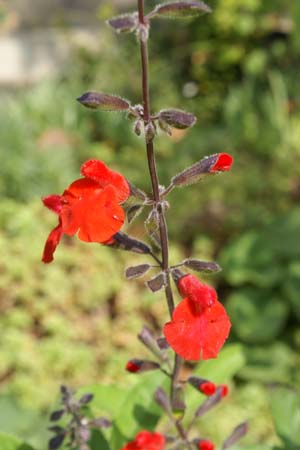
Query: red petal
point(194, 335)
point(208, 388)
point(198, 292)
point(150, 441)
point(81, 188)
point(223, 163)
point(96, 217)
point(51, 244)
point(206, 445)
point(97, 171)
point(53, 202)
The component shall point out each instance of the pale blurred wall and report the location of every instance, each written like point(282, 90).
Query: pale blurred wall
point(37, 36)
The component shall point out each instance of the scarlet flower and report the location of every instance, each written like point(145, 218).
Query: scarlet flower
point(145, 440)
point(205, 445)
point(207, 388)
point(90, 206)
point(199, 325)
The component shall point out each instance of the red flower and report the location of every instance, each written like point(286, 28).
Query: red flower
point(90, 206)
point(207, 388)
point(145, 440)
point(205, 445)
point(223, 163)
point(197, 330)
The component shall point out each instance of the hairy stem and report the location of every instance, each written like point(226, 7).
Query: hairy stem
point(155, 185)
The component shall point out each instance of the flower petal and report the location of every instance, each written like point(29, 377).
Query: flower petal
point(223, 163)
point(194, 335)
point(96, 170)
point(200, 293)
point(96, 217)
point(51, 244)
point(53, 202)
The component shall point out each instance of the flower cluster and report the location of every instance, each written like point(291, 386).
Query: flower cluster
point(90, 206)
point(199, 325)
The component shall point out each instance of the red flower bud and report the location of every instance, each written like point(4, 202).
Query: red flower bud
point(133, 366)
point(223, 163)
point(207, 388)
point(141, 365)
point(205, 445)
point(224, 390)
point(198, 292)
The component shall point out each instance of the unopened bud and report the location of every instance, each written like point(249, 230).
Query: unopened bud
point(210, 165)
point(236, 435)
point(206, 387)
point(177, 118)
point(147, 338)
point(202, 266)
point(204, 444)
point(150, 132)
point(141, 365)
point(125, 23)
point(138, 127)
point(103, 102)
point(163, 401)
point(224, 390)
point(180, 10)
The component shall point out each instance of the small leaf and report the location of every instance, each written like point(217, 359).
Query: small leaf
point(86, 398)
point(210, 165)
point(236, 435)
point(133, 212)
point(178, 10)
point(202, 266)
point(136, 271)
point(125, 23)
point(156, 283)
point(57, 415)
point(136, 192)
point(147, 338)
point(124, 242)
point(163, 401)
point(103, 102)
point(56, 441)
point(101, 422)
point(177, 118)
point(162, 343)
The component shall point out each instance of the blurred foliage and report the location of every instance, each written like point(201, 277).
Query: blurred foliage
point(238, 72)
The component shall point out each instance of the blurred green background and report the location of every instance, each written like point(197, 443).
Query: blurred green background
point(238, 71)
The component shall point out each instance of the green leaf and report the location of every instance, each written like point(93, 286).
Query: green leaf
point(137, 411)
point(256, 315)
point(230, 360)
point(8, 442)
point(285, 408)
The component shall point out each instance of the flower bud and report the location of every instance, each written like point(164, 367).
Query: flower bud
point(224, 389)
point(125, 23)
point(206, 387)
point(236, 435)
point(177, 118)
point(103, 102)
point(204, 444)
point(178, 10)
point(150, 132)
point(220, 162)
point(141, 365)
point(202, 266)
point(157, 283)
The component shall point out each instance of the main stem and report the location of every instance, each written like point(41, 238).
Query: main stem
point(156, 193)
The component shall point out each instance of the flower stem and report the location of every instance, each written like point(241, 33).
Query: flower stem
point(155, 184)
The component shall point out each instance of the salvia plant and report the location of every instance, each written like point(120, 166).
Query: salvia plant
point(94, 207)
